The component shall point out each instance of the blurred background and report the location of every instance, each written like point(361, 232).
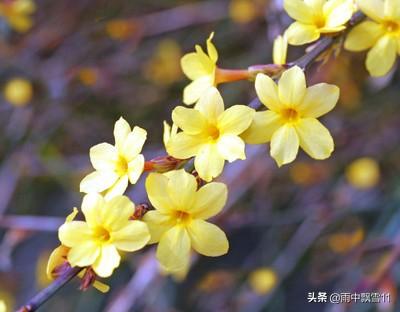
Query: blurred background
point(70, 69)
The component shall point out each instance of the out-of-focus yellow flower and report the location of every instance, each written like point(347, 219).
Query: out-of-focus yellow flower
point(201, 68)
point(18, 91)
point(314, 18)
point(16, 13)
point(164, 66)
point(243, 11)
point(363, 173)
point(381, 35)
point(116, 165)
point(89, 76)
point(215, 281)
point(280, 50)
point(344, 242)
point(107, 229)
point(3, 307)
point(178, 221)
point(291, 118)
point(120, 29)
point(210, 133)
point(263, 280)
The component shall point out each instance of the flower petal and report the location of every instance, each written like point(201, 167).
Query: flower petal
point(194, 90)
point(392, 9)
point(372, 8)
point(267, 92)
point(299, 10)
point(190, 120)
point(107, 261)
point(83, 254)
point(381, 58)
point(299, 34)
point(156, 187)
point(92, 204)
point(211, 50)
point(181, 187)
point(118, 188)
point(133, 236)
point(363, 36)
point(121, 131)
point(263, 127)
point(284, 145)
point(280, 50)
point(158, 223)
point(209, 200)
point(211, 105)
point(231, 147)
point(134, 143)
point(98, 181)
point(183, 146)
point(196, 66)
point(208, 162)
point(103, 156)
point(135, 168)
point(235, 119)
point(292, 86)
point(173, 249)
point(338, 12)
point(319, 99)
point(315, 139)
point(56, 258)
point(208, 239)
point(116, 212)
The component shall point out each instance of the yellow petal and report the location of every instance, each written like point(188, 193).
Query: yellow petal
point(392, 9)
point(193, 91)
point(284, 145)
point(231, 147)
point(98, 181)
point(72, 215)
point(115, 213)
point(173, 250)
point(184, 146)
point(315, 139)
point(235, 119)
point(338, 12)
point(133, 236)
point(196, 66)
point(57, 258)
point(211, 50)
point(83, 254)
point(299, 10)
point(156, 187)
point(121, 131)
point(101, 287)
point(158, 223)
point(181, 187)
point(133, 143)
point(208, 162)
point(135, 168)
point(299, 34)
point(118, 188)
point(292, 86)
point(267, 92)
point(280, 50)
point(191, 121)
point(73, 233)
point(107, 261)
point(372, 8)
point(207, 239)
point(363, 36)
point(263, 127)
point(92, 204)
point(319, 99)
point(169, 132)
point(209, 200)
point(211, 105)
point(316, 5)
point(381, 58)
point(103, 156)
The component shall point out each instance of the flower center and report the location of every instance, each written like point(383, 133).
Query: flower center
point(392, 26)
point(101, 234)
point(182, 217)
point(290, 115)
point(121, 166)
point(319, 21)
point(213, 132)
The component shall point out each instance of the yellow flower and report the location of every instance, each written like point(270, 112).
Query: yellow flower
point(16, 13)
point(316, 17)
point(169, 132)
point(280, 50)
point(18, 91)
point(243, 11)
point(3, 307)
point(263, 280)
point(210, 134)
point(201, 68)
point(116, 165)
point(178, 221)
point(363, 173)
point(107, 229)
point(291, 118)
point(381, 35)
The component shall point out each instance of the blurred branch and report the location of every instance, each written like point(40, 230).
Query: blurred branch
point(32, 223)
